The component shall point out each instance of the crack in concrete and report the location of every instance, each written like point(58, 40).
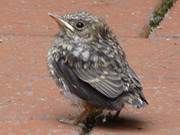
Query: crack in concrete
point(157, 16)
point(91, 120)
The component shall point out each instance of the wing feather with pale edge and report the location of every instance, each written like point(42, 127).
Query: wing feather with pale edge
point(103, 79)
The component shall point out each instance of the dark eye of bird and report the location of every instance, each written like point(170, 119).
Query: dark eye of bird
point(80, 25)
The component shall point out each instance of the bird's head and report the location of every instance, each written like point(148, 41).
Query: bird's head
point(82, 25)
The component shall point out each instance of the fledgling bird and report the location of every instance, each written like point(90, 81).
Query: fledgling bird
point(87, 61)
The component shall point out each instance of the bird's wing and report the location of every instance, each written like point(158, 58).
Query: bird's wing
point(101, 75)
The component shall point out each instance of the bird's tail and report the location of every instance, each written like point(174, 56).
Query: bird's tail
point(137, 101)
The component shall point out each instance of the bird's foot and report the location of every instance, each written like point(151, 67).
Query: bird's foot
point(110, 115)
point(66, 120)
point(71, 121)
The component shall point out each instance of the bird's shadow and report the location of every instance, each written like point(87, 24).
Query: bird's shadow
point(124, 123)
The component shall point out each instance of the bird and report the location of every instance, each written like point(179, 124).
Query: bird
point(88, 63)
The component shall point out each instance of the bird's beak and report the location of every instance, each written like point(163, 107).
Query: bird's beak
point(61, 22)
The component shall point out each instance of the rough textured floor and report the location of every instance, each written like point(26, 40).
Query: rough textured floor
point(30, 102)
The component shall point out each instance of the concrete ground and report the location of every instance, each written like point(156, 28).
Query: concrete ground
point(30, 102)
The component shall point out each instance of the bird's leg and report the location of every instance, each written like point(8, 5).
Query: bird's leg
point(113, 114)
point(117, 114)
point(88, 108)
point(109, 114)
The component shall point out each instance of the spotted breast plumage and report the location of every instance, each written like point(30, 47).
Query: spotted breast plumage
point(87, 61)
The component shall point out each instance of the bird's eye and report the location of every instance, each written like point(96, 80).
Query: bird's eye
point(80, 25)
